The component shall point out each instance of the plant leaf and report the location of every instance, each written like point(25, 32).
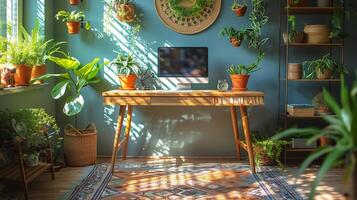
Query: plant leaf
point(73, 105)
point(47, 76)
point(59, 90)
point(64, 62)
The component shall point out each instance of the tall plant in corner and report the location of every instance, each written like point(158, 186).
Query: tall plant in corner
point(342, 130)
point(75, 78)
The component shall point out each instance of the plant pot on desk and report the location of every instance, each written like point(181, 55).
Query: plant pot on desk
point(127, 81)
point(239, 82)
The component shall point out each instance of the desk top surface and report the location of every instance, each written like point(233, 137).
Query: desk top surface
point(181, 93)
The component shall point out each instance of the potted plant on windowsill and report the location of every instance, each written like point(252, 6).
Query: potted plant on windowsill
point(293, 36)
point(239, 9)
point(322, 68)
point(41, 49)
point(73, 20)
point(240, 75)
point(235, 37)
point(341, 129)
point(127, 70)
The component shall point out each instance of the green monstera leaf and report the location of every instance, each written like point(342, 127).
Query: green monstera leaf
point(73, 105)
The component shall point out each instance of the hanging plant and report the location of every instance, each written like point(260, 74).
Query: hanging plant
point(197, 7)
point(239, 9)
point(235, 37)
point(125, 10)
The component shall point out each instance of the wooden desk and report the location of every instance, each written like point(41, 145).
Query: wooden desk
point(126, 99)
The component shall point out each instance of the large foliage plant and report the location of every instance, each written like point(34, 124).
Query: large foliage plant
point(72, 81)
point(342, 130)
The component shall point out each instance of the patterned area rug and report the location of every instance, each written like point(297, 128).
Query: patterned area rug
point(187, 181)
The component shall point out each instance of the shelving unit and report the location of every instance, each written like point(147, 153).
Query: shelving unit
point(284, 83)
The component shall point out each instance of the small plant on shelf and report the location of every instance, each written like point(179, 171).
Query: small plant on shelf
point(322, 68)
point(240, 75)
point(127, 70)
point(235, 37)
point(73, 20)
point(239, 9)
point(293, 36)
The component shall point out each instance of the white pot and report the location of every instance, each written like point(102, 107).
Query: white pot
point(323, 3)
point(32, 160)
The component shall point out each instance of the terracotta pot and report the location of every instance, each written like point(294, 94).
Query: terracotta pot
point(353, 181)
point(322, 110)
point(294, 71)
point(22, 75)
point(127, 82)
point(324, 141)
point(240, 11)
point(74, 2)
point(126, 12)
point(323, 75)
point(302, 3)
point(73, 27)
point(298, 38)
point(239, 82)
point(37, 71)
point(235, 42)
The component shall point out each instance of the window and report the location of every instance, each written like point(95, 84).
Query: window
point(10, 17)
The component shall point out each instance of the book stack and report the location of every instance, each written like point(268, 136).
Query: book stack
point(301, 110)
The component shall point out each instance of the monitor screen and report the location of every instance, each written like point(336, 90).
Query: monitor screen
point(183, 62)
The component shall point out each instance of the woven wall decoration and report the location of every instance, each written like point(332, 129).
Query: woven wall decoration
point(189, 24)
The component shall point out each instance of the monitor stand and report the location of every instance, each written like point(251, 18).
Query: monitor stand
point(183, 86)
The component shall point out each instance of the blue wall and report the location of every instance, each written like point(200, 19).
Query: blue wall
point(169, 130)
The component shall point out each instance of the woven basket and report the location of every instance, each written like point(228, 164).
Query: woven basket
point(317, 34)
point(294, 71)
point(80, 146)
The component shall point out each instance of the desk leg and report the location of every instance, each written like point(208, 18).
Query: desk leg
point(235, 130)
point(117, 135)
point(244, 115)
point(127, 130)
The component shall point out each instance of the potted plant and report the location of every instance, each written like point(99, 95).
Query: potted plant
point(80, 145)
point(41, 49)
point(293, 36)
point(73, 20)
point(239, 9)
point(240, 75)
point(127, 70)
point(74, 2)
point(341, 129)
point(322, 68)
point(235, 37)
point(266, 151)
point(125, 10)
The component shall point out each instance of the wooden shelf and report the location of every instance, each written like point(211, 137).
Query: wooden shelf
point(19, 89)
point(314, 80)
point(299, 150)
point(312, 10)
point(13, 172)
point(314, 45)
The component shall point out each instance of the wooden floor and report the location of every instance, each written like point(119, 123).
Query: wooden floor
point(44, 188)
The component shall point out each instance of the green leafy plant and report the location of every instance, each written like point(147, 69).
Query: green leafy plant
point(180, 11)
point(293, 31)
point(40, 48)
point(236, 5)
point(322, 64)
point(267, 151)
point(125, 65)
point(73, 16)
point(242, 69)
point(294, 2)
point(75, 78)
point(341, 129)
point(230, 32)
point(337, 25)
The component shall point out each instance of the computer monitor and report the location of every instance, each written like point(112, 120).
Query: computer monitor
point(183, 65)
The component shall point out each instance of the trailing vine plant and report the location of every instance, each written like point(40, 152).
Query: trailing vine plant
point(254, 34)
